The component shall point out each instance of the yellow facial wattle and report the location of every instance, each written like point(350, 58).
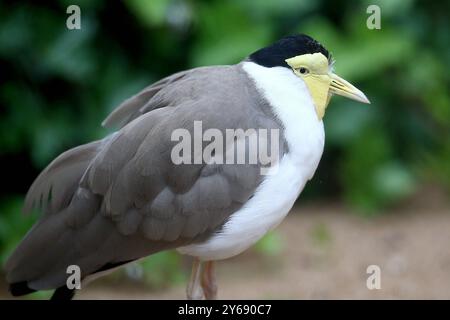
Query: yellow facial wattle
point(321, 82)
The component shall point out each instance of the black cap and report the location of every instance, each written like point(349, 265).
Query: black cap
point(285, 48)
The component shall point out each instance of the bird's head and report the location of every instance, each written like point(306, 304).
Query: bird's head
point(311, 62)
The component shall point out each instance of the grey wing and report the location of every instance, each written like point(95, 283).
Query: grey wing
point(56, 184)
point(131, 200)
point(143, 190)
point(142, 102)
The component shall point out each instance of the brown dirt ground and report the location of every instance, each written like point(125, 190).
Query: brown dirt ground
point(325, 253)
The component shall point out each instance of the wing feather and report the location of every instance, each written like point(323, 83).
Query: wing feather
point(139, 104)
point(53, 188)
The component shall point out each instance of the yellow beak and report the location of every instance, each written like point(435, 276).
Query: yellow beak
point(344, 88)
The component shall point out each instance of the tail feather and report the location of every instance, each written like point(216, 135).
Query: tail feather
point(58, 186)
point(20, 289)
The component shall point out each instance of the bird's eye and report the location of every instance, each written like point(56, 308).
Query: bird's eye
point(303, 70)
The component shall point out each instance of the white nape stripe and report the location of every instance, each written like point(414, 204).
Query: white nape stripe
point(304, 133)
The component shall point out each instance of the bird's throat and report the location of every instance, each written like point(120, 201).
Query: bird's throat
point(318, 87)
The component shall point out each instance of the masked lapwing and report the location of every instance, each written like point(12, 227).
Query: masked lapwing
point(113, 201)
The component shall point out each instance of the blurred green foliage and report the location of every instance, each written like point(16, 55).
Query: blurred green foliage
point(57, 85)
point(270, 245)
point(321, 235)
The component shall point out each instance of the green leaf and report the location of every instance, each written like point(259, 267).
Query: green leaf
point(151, 13)
point(222, 42)
point(271, 244)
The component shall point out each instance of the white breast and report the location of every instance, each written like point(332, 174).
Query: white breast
point(276, 195)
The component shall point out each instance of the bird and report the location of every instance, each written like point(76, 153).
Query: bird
point(114, 201)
